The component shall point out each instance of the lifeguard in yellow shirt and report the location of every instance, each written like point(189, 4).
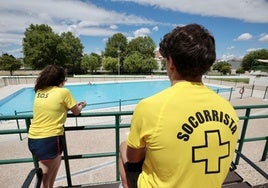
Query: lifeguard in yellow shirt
point(185, 135)
point(51, 104)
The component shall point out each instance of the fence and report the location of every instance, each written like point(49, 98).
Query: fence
point(16, 80)
point(116, 126)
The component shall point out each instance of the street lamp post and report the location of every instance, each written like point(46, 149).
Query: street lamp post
point(118, 63)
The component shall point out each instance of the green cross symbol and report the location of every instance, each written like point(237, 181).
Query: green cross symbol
point(212, 152)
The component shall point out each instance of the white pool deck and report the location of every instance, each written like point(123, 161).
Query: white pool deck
point(87, 171)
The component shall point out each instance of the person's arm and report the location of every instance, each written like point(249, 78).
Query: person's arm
point(135, 155)
point(131, 155)
point(130, 164)
point(76, 109)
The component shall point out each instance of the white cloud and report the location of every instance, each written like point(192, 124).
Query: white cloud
point(85, 18)
point(226, 57)
point(17, 51)
point(7, 39)
point(244, 36)
point(230, 47)
point(252, 49)
point(247, 10)
point(97, 31)
point(74, 30)
point(114, 27)
point(141, 32)
point(129, 38)
point(263, 38)
point(155, 28)
point(76, 16)
point(104, 40)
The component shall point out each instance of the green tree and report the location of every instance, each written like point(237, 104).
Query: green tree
point(149, 64)
point(133, 63)
point(9, 63)
point(85, 64)
point(116, 44)
point(116, 48)
point(250, 62)
point(223, 67)
point(70, 52)
point(40, 46)
point(91, 62)
point(163, 64)
point(144, 45)
point(110, 64)
point(99, 62)
point(240, 70)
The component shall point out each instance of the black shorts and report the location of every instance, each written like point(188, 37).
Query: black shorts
point(133, 171)
point(46, 148)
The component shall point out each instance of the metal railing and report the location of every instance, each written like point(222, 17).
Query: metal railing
point(246, 117)
point(116, 126)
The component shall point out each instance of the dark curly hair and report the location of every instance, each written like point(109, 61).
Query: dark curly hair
point(51, 75)
point(192, 49)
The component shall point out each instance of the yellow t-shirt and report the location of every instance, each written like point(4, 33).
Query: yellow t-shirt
point(190, 133)
point(50, 112)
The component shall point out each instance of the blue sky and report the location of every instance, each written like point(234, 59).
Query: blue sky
point(239, 26)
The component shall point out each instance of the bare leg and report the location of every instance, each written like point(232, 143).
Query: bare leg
point(50, 169)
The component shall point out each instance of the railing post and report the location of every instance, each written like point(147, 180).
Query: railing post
point(28, 123)
point(66, 161)
point(241, 91)
point(243, 134)
point(265, 150)
point(120, 105)
point(252, 89)
point(265, 92)
point(230, 96)
point(18, 125)
point(120, 109)
point(117, 145)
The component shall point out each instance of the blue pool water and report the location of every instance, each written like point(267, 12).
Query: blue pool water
point(97, 96)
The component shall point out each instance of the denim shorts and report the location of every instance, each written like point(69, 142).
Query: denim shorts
point(46, 148)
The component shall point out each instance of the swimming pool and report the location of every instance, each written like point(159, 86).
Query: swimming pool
point(101, 95)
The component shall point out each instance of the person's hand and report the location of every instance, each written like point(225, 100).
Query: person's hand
point(82, 104)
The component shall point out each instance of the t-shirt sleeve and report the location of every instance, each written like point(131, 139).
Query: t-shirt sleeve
point(69, 99)
point(136, 137)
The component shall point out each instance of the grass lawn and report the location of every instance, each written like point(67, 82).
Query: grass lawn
point(244, 80)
